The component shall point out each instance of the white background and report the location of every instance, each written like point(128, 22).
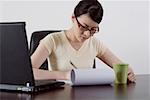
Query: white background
point(124, 29)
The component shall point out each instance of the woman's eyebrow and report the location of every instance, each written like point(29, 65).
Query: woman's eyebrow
point(89, 26)
point(86, 25)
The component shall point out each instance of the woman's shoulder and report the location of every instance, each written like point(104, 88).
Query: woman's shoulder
point(52, 39)
point(55, 35)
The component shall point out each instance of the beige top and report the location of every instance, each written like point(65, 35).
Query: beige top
point(61, 52)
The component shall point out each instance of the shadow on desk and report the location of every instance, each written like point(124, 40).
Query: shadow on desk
point(109, 92)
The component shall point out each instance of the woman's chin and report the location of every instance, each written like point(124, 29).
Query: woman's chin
point(82, 39)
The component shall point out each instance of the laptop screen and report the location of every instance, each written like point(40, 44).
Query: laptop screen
point(15, 64)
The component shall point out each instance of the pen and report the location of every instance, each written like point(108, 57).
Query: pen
point(73, 65)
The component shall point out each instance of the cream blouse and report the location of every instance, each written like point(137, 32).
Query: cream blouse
point(61, 52)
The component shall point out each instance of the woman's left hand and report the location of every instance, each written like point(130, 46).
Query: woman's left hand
point(131, 75)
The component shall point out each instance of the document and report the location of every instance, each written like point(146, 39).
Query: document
point(92, 76)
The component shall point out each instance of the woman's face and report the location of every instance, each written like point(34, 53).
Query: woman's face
point(84, 27)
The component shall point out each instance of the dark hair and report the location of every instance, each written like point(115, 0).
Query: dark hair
point(91, 7)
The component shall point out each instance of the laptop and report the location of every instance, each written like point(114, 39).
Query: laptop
point(15, 64)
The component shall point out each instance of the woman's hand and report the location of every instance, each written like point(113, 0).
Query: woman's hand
point(131, 75)
point(109, 58)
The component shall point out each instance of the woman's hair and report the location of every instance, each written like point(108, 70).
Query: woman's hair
point(91, 7)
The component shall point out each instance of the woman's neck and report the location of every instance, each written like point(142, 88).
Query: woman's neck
point(70, 35)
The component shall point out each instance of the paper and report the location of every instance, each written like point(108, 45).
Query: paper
point(92, 76)
point(66, 81)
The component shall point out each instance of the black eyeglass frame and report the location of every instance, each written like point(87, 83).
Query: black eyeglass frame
point(87, 29)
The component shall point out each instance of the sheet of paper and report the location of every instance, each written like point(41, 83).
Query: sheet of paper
point(66, 81)
point(92, 76)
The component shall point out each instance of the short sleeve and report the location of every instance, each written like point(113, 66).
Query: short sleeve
point(48, 42)
point(99, 46)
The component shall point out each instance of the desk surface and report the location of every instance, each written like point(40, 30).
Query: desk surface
point(138, 91)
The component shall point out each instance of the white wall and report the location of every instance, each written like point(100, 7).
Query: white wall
point(149, 36)
point(125, 31)
point(124, 28)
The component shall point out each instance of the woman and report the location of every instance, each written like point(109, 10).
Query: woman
point(75, 47)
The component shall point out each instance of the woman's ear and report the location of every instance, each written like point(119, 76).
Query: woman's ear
point(73, 18)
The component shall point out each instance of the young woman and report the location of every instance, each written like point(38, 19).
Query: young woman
point(75, 47)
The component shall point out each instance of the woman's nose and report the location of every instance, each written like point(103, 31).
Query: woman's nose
point(87, 34)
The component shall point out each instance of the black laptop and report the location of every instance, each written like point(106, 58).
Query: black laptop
point(15, 64)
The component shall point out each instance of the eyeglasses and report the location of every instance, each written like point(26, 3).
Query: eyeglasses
point(93, 30)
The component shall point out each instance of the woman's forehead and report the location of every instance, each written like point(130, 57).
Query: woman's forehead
point(87, 20)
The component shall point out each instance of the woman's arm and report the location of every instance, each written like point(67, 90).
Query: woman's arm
point(109, 58)
point(45, 74)
point(38, 57)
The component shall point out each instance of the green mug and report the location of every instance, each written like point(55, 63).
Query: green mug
point(121, 73)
